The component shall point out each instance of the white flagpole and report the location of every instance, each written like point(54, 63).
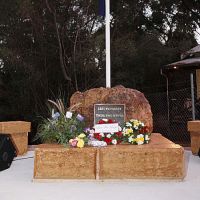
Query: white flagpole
point(108, 60)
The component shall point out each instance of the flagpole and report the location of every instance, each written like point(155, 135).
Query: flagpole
point(108, 56)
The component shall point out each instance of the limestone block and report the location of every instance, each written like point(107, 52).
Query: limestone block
point(194, 129)
point(160, 159)
point(58, 162)
point(19, 134)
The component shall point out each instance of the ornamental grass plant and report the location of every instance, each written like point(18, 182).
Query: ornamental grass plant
point(62, 126)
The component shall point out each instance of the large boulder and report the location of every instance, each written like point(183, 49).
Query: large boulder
point(137, 106)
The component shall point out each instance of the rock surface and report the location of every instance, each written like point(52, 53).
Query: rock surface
point(137, 106)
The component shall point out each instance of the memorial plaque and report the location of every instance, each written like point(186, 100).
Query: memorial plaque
point(109, 111)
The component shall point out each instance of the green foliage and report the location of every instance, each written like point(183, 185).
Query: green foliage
point(62, 126)
point(60, 130)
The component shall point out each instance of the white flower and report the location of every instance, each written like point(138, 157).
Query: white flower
point(142, 124)
point(91, 135)
point(114, 141)
point(128, 124)
point(147, 137)
point(92, 131)
point(140, 136)
point(102, 134)
point(105, 120)
point(119, 128)
point(140, 139)
point(112, 133)
point(130, 139)
point(68, 115)
point(108, 136)
point(140, 142)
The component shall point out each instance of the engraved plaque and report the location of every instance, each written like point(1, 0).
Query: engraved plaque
point(109, 111)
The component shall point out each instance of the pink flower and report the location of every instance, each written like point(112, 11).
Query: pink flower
point(73, 142)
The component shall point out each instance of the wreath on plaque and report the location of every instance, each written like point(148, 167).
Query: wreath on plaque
point(135, 132)
point(109, 137)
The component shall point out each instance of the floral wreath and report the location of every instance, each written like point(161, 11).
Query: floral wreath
point(135, 132)
point(109, 138)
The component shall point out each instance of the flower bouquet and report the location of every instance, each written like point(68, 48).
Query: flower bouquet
point(79, 141)
point(135, 132)
point(62, 126)
point(110, 137)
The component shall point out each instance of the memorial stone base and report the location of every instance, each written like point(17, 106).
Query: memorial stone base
point(160, 159)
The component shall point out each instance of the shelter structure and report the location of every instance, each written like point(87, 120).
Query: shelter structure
point(190, 61)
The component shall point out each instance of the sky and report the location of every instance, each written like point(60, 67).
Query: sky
point(198, 35)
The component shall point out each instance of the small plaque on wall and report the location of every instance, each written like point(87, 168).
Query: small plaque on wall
point(109, 111)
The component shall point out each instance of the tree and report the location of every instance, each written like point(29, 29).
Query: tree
point(48, 46)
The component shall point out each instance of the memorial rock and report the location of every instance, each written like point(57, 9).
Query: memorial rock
point(137, 106)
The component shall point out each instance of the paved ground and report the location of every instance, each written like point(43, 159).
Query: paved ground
point(16, 184)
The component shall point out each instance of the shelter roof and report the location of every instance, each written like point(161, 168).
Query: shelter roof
point(190, 52)
point(186, 62)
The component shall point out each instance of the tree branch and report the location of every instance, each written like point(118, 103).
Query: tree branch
point(61, 56)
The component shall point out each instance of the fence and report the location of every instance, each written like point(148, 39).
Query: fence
point(170, 115)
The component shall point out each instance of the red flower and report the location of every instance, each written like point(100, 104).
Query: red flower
point(97, 136)
point(110, 121)
point(144, 130)
point(119, 134)
point(101, 122)
point(119, 141)
point(108, 140)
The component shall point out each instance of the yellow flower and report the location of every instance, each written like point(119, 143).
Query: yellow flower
point(129, 130)
point(140, 139)
point(80, 143)
point(82, 135)
point(136, 123)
